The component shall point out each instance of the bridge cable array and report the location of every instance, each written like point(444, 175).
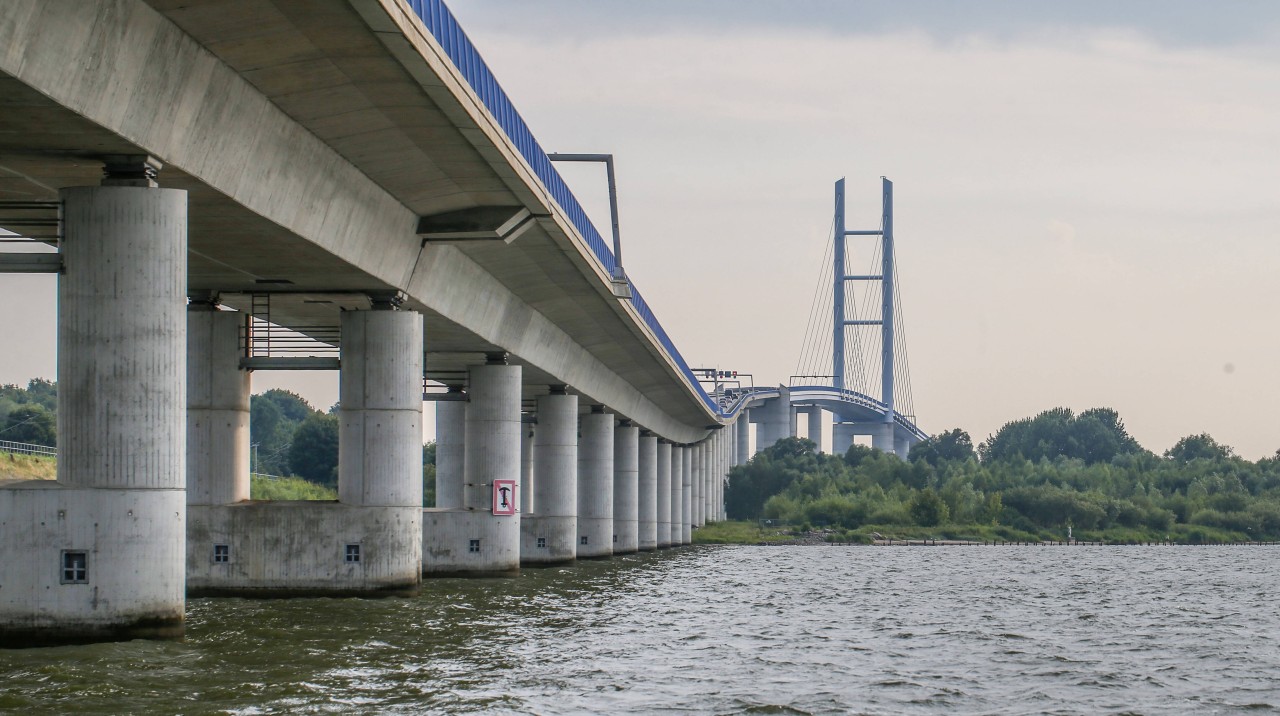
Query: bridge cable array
point(863, 359)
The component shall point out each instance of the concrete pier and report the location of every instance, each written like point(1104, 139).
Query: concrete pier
point(99, 553)
point(549, 534)
point(451, 430)
point(677, 495)
point(841, 437)
point(370, 540)
point(473, 539)
point(595, 484)
point(697, 471)
point(663, 489)
point(217, 408)
point(647, 538)
point(882, 437)
point(743, 428)
point(775, 421)
point(626, 489)
point(815, 427)
point(528, 429)
point(686, 494)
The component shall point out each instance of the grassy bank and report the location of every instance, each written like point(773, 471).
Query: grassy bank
point(27, 467)
point(288, 488)
point(742, 532)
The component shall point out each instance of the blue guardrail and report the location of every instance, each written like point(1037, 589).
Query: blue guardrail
point(441, 23)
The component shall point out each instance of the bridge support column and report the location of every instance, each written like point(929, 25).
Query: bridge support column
point(744, 437)
point(370, 540)
point(677, 495)
point(686, 494)
point(549, 534)
point(99, 553)
point(626, 488)
point(882, 438)
point(595, 485)
point(472, 539)
point(217, 411)
point(647, 539)
point(662, 518)
point(451, 421)
point(841, 437)
point(901, 445)
point(528, 430)
point(697, 469)
point(815, 426)
point(775, 421)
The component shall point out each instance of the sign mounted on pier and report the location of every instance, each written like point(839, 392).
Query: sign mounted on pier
point(504, 497)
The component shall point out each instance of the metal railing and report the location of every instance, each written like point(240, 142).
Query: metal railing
point(27, 449)
point(444, 27)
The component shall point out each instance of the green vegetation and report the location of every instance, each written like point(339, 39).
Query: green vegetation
point(30, 415)
point(288, 488)
point(1031, 480)
point(27, 467)
point(289, 438)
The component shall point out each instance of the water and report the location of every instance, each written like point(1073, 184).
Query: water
point(946, 630)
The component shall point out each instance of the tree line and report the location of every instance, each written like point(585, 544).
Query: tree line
point(1032, 480)
point(288, 437)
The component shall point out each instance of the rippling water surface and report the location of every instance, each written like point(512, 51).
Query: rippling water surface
point(1001, 630)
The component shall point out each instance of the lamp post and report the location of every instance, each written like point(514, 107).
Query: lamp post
point(621, 286)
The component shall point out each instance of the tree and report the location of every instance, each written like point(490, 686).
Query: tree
point(950, 445)
point(31, 423)
point(927, 508)
point(291, 405)
point(1198, 447)
point(313, 453)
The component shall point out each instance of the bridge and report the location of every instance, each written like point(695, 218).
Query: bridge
point(224, 187)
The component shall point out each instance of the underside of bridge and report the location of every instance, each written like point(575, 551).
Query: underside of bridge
point(312, 137)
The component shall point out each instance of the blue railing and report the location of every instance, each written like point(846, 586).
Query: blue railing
point(442, 25)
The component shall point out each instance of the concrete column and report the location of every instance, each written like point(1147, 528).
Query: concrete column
point(901, 444)
point(118, 507)
point(380, 434)
point(744, 437)
point(882, 437)
point(686, 494)
point(648, 506)
point(662, 518)
point(550, 534)
point(451, 421)
point(471, 539)
point(841, 437)
point(677, 496)
point(697, 469)
point(527, 431)
point(793, 428)
point(595, 485)
point(815, 426)
point(626, 489)
point(217, 408)
point(775, 422)
point(726, 450)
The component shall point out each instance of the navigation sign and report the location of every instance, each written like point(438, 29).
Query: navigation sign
point(504, 497)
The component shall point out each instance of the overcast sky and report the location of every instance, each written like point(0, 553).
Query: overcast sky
point(1087, 192)
point(1087, 209)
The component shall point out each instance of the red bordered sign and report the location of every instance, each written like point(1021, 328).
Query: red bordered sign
point(504, 497)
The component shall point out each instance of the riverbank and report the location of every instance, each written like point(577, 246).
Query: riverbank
point(15, 466)
point(752, 533)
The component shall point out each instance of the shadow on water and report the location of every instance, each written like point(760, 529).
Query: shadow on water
point(448, 648)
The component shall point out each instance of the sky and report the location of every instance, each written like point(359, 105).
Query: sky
point(1086, 192)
